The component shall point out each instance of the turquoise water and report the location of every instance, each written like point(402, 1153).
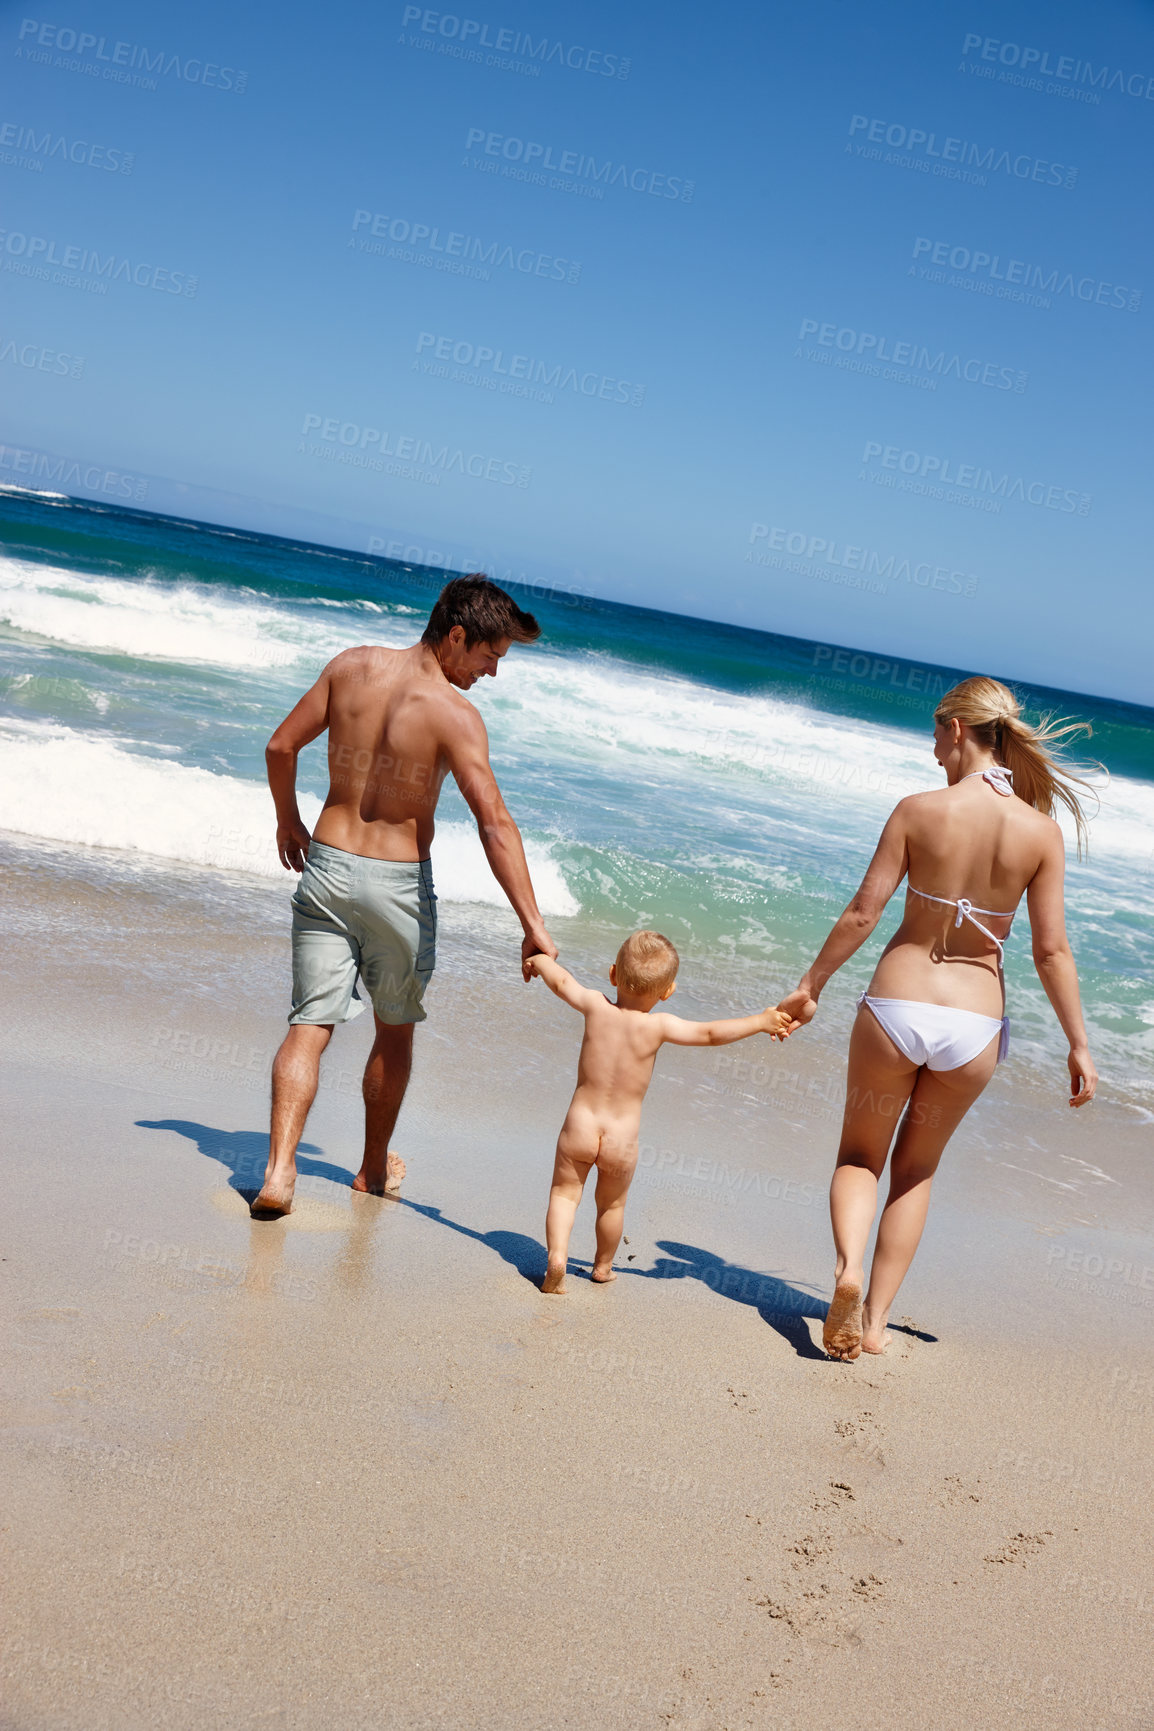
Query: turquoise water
point(725, 785)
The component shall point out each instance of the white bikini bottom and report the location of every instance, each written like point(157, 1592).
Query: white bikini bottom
point(937, 1035)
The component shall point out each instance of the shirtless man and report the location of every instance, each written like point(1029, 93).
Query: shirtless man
point(397, 725)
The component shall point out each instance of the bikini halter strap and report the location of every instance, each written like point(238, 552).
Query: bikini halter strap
point(999, 778)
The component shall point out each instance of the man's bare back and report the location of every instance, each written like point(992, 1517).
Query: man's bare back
point(396, 727)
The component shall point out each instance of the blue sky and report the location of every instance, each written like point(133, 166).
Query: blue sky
point(757, 470)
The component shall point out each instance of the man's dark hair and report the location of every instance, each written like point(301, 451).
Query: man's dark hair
point(485, 611)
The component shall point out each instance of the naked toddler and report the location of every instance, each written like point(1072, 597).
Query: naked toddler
point(613, 1072)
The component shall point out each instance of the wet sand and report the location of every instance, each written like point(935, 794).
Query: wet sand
point(352, 1469)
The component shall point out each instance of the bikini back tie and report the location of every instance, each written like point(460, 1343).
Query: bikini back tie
point(966, 911)
point(1002, 781)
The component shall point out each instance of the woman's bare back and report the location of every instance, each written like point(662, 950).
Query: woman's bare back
point(965, 841)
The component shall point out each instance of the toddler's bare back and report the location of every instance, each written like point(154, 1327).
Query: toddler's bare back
point(614, 1070)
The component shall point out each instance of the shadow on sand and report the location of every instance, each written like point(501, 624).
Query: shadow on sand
point(245, 1153)
point(784, 1308)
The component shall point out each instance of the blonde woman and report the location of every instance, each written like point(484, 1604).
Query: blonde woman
point(932, 1024)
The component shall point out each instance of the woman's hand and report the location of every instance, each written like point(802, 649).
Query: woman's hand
point(799, 1006)
point(1083, 1075)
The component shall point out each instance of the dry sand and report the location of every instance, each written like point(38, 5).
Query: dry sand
point(352, 1469)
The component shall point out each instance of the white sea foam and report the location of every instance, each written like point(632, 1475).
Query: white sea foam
point(166, 621)
point(150, 621)
point(631, 725)
point(97, 792)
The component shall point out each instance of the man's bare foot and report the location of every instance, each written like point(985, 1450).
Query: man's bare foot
point(554, 1281)
point(274, 1200)
point(602, 1275)
point(394, 1172)
point(842, 1333)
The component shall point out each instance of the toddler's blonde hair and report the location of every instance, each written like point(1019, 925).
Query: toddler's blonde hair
point(647, 962)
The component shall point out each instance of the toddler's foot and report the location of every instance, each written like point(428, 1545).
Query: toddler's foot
point(842, 1334)
point(372, 1183)
point(554, 1281)
point(602, 1274)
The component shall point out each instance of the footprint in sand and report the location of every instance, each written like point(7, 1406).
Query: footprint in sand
point(1020, 1548)
point(956, 1492)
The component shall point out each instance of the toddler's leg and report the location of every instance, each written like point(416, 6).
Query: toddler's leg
point(569, 1175)
point(612, 1189)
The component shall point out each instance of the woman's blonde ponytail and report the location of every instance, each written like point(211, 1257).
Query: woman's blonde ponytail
point(1031, 754)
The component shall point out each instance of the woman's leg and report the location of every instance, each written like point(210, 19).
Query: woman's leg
point(939, 1102)
point(879, 1081)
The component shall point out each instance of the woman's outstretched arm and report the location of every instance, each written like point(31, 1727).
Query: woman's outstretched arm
point(886, 871)
point(1055, 964)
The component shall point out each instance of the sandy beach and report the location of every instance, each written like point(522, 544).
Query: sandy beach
point(352, 1469)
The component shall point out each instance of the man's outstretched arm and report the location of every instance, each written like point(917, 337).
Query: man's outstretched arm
point(468, 755)
point(306, 722)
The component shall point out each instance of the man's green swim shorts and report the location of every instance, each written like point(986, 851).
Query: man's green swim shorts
point(373, 917)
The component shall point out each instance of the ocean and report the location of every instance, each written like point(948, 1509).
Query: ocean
point(724, 785)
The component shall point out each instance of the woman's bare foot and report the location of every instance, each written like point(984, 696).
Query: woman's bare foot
point(875, 1335)
point(554, 1281)
point(371, 1184)
point(602, 1275)
point(842, 1334)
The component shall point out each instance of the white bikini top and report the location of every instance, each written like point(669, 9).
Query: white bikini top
point(1001, 780)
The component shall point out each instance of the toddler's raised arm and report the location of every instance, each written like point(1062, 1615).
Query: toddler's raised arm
point(675, 1032)
point(561, 981)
